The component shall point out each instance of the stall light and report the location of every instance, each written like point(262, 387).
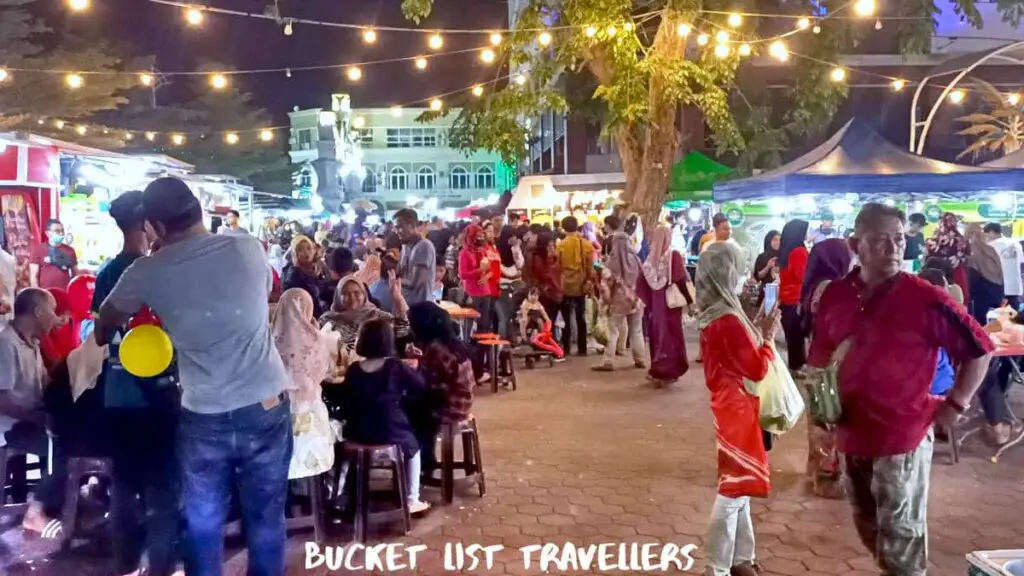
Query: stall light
point(889, 202)
point(840, 206)
point(806, 203)
point(1002, 201)
point(695, 214)
point(778, 206)
point(735, 19)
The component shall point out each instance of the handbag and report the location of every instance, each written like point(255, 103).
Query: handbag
point(673, 295)
point(823, 389)
point(781, 402)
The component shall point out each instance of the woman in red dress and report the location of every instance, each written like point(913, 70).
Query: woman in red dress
point(736, 357)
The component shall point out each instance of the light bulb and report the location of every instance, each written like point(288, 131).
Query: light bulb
point(803, 23)
point(396, 111)
point(735, 20)
point(864, 7)
point(74, 81)
point(421, 63)
point(1013, 99)
point(436, 104)
point(288, 29)
point(4, 75)
point(146, 79)
point(266, 135)
point(40, 121)
point(721, 50)
point(816, 29)
point(744, 49)
point(478, 90)
point(59, 124)
point(702, 39)
point(150, 136)
point(544, 39)
point(591, 31)
point(779, 51)
point(898, 84)
point(288, 72)
point(722, 37)
point(495, 39)
point(359, 122)
point(78, 5)
point(231, 138)
point(177, 139)
point(956, 96)
point(683, 30)
point(219, 81)
point(129, 136)
point(612, 31)
point(520, 79)
point(369, 36)
point(878, 23)
point(436, 42)
point(81, 130)
point(838, 75)
point(487, 55)
point(194, 16)
point(628, 26)
point(354, 73)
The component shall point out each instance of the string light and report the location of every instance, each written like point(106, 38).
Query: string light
point(956, 96)
point(81, 130)
point(628, 26)
point(591, 31)
point(150, 136)
point(40, 121)
point(354, 73)
point(779, 51)
point(520, 79)
point(436, 104)
point(194, 16)
point(231, 138)
point(683, 30)
point(288, 28)
point(487, 55)
point(898, 84)
point(864, 7)
point(544, 39)
point(219, 81)
point(59, 124)
point(735, 20)
point(177, 139)
point(396, 111)
point(266, 135)
point(478, 90)
point(838, 74)
point(722, 37)
point(878, 23)
point(436, 42)
point(744, 49)
point(803, 23)
point(78, 5)
point(816, 29)
point(369, 36)
point(146, 79)
point(288, 72)
point(4, 75)
point(421, 63)
point(722, 50)
point(612, 31)
point(1013, 99)
point(495, 39)
point(129, 136)
point(359, 122)
point(74, 81)
point(702, 39)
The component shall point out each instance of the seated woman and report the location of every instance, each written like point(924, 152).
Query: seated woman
point(379, 393)
point(535, 325)
point(352, 308)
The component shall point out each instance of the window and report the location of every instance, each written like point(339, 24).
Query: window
point(425, 178)
point(459, 178)
point(366, 137)
point(306, 139)
point(305, 179)
point(411, 138)
point(485, 178)
point(369, 182)
point(399, 179)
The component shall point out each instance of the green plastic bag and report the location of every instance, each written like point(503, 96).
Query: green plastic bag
point(823, 389)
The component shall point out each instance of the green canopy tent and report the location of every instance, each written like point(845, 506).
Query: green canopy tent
point(692, 180)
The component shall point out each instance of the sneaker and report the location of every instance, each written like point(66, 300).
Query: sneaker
point(603, 368)
point(484, 378)
point(998, 433)
point(418, 507)
point(559, 360)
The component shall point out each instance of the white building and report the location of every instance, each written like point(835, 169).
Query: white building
point(387, 156)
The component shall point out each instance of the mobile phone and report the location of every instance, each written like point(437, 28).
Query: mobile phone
point(771, 298)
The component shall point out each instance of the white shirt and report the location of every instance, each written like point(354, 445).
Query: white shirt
point(1011, 255)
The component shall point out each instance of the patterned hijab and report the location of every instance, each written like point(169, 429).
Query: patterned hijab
point(623, 261)
point(657, 267)
point(717, 277)
point(948, 242)
point(302, 347)
point(353, 318)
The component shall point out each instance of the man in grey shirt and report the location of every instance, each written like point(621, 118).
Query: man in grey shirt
point(211, 293)
point(231, 225)
point(419, 259)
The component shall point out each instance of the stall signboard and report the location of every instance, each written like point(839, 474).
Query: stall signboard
point(540, 215)
point(974, 211)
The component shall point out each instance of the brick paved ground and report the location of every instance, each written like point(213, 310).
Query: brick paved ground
point(591, 458)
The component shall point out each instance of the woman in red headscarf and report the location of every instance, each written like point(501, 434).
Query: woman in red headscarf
point(59, 342)
point(477, 272)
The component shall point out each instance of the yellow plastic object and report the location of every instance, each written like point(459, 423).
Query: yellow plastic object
point(146, 351)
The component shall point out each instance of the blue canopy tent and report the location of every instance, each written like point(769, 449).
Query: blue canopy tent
point(857, 160)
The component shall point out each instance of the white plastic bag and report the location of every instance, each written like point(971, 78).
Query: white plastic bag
point(781, 402)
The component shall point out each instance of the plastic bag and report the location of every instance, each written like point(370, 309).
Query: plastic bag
point(781, 402)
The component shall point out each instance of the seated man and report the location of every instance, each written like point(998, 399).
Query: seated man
point(22, 419)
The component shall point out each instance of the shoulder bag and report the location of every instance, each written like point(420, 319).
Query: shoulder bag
point(823, 388)
point(673, 295)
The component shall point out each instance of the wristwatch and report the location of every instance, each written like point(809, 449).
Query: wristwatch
point(960, 408)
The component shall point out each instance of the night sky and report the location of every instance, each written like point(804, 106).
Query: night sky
point(246, 43)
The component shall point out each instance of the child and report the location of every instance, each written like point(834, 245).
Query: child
point(379, 393)
point(535, 324)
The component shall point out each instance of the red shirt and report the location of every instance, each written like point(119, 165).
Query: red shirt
point(887, 373)
point(791, 278)
point(51, 276)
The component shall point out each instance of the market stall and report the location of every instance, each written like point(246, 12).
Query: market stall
point(546, 198)
point(29, 183)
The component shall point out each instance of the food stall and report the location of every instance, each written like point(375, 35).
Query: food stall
point(544, 199)
point(29, 184)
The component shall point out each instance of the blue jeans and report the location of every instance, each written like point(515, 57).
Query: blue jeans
point(248, 449)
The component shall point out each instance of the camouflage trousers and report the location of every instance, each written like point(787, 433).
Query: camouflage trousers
point(890, 507)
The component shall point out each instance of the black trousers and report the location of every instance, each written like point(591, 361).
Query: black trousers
point(575, 306)
point(33, 439)
point(796, 340)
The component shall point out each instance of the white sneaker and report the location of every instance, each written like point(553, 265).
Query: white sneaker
point(418, 507)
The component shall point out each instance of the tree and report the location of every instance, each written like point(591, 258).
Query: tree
point(999, 129)
point(646, 67)
point(29, 95)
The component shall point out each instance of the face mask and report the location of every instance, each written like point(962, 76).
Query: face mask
point(56, 239)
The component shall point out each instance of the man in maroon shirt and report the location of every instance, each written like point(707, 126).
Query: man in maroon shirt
point(895, 324)
point(52, 265)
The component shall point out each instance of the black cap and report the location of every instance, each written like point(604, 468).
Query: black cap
point(166, 199)
point(126, 209)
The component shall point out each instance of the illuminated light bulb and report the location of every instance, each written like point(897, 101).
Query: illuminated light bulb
point(744, 49)
point(956, 96)
point(898, 84)
point(369, 36)
point(396, 111)
point(288, 72)
point(1013, 99)
point(288, 28)
point(683, 30)
point(520, 79)
point(702, 39)
point(146, 79)
point(74, 81)
point(838, 75)
point(194, 16)
point(436, 42)
point(612, 31)
point(40, 121)
point(359, 122)
point(591, 31)
point(219, 81)
point(78, 5)
point(816, 29)
point(59, 124)
point(864, 7)
point(129, 136)
point(478, 90)
point(544, 39)
point(354, 73)
point(878, 24)
point(779, 51)
point(722, 37)
point(495, 39)
point(721, 50)
point(629, 26)
point(436, 104)
point(150, 136)
point(177, 139)
point(231, 138)
point(421, 63)
point(487, 55)
point(266, 135)
point(4, 75)
point(803, 23)
point(81, 130)
point(735, 20)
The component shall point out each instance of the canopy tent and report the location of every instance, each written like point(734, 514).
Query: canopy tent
point(857, 160)
point(693, 177)
point(1011, 160)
